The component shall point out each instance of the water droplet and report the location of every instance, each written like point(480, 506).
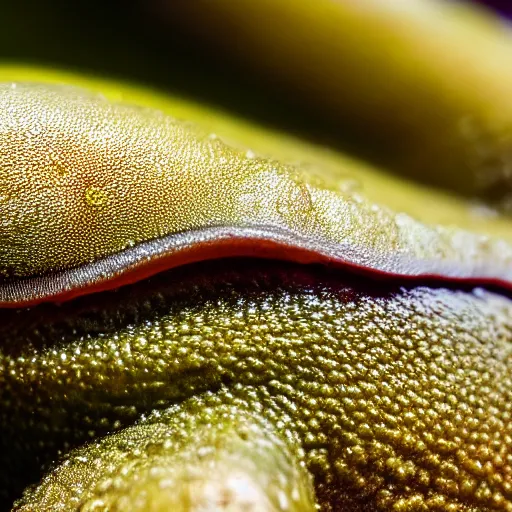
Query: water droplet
point(295, 204)
point(35, 129)
point(402, 220)
point(60, 168)
point(250, 154)
point(95, 197)
point(357, 198)
point(95, 504)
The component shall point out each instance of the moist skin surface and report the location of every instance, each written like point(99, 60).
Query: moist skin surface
point(249, 383)
point(421, 86)
point(395, 398)
point(84, 180)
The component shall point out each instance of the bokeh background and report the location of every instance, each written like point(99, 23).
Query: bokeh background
point(142, 41)
point(190, 49)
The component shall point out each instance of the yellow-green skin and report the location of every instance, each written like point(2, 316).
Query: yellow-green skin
point(252, 383)
point(83, 178)
point(242, 384)
point(395, 399)
point(420, 86)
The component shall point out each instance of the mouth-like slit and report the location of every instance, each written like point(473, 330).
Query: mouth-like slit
point(49, 326)
point(121, 304)
point(152, 257)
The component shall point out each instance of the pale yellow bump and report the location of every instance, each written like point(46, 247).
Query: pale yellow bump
point(60, 168)
point(95, 197)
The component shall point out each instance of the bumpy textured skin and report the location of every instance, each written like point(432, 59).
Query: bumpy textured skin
point(82, 178)
point(222, 456)
point(205, 383)
point(395, 398)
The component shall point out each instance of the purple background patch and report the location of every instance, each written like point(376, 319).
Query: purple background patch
point(502, 6)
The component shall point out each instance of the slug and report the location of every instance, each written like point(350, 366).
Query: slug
point(95, 195)
point(234, 319)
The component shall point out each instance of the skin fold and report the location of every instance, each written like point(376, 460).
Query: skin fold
point(359, 362)
point(395, 398)
point(85, 179)
point(203, 384)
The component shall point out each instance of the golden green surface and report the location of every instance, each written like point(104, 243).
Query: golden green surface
point(396, 399)
point(82, 178)
point(252, 385)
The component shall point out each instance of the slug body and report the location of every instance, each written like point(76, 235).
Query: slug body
point(95, 194)
point(300, 385)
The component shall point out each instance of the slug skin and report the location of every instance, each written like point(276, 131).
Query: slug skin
point(239, 383)
point(83, 180)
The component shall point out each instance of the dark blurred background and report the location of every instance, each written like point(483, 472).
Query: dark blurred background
point(504, 7)
point(146, 41)
point(133, 40)
point(130, 40)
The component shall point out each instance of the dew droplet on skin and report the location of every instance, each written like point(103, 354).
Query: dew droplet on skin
point(402, 220)
point(357, 198)
point(35, 130)
point(97, 504)
point(95, 197)
point(310, 173)
point(60, 168)
point(295, 203)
